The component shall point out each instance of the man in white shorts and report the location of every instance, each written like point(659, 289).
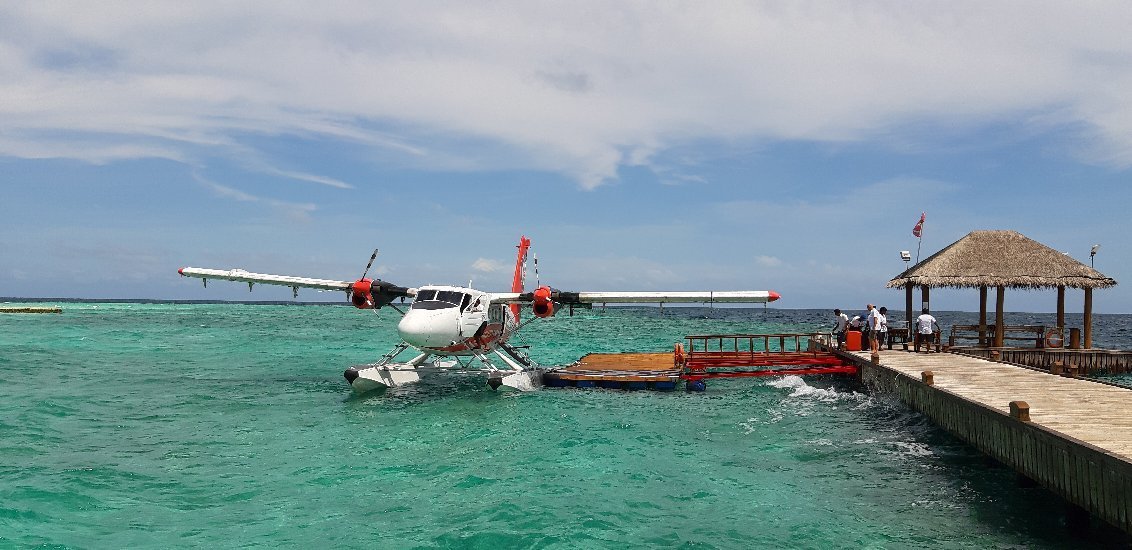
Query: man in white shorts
point(873, 321)
point(926, 327)
point(839, 329)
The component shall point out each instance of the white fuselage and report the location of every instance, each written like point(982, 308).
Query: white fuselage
point(449, 320)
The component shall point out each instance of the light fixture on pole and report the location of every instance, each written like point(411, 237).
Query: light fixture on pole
point(907, 257)
point(1093, 253)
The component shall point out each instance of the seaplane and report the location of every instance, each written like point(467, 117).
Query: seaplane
point(454, 327)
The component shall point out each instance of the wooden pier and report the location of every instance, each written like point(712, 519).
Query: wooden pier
point(1072, 436)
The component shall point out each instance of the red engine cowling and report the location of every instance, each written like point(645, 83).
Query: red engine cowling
point(360, 294)
point(543, 304)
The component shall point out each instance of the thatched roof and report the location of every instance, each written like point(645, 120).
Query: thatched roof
point(1006, 258)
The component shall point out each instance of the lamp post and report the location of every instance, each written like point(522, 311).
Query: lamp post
point(1093, 253)
point(906, 255)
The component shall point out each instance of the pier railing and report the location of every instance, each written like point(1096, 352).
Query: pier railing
point(1032, 335)
point(1085, 362)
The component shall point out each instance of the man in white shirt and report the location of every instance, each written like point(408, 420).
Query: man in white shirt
point(839, 330)
point(926, 327)
point(873, 322)
point(882, 327)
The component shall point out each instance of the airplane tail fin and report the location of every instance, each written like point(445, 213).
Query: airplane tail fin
point(520, 265)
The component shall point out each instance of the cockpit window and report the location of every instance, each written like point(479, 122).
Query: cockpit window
point(450, 296)
point(438, 299)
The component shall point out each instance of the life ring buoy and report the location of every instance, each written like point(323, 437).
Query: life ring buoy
point(1054, 339)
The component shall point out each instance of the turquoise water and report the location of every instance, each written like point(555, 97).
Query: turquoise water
point(137, 425)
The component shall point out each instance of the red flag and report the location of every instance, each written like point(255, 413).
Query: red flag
point(916, 231)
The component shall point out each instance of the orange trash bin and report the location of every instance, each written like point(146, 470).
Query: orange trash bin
point(852, 340)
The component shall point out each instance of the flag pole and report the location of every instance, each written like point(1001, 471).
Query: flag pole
point(918, 231)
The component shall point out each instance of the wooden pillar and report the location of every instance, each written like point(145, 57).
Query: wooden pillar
point(999, 332)
point(1088, 328)
point(1020, 410)
point(908, 308)
point(924, 290)
point(982, 316)
point(1061, 308)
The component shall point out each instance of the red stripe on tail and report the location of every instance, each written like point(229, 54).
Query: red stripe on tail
point(517, 282)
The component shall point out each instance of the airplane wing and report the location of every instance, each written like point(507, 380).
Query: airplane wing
point(364, 293)
point(263, 278)
point(575, 298)
point(544, 298)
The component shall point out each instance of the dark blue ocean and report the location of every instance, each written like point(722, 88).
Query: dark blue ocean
point(223, 425)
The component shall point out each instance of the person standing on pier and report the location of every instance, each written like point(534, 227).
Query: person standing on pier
point(882, 329)
point(926, 327)
point(872, 323)
point(865, 322)
point(839, 329)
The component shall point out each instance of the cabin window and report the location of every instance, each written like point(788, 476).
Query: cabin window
point(464, 303)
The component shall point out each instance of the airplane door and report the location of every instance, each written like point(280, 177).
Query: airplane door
point(472, 318)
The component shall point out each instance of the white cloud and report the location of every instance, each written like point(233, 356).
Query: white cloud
point(313, 178)
point(484, 265)
point(767, 261)
point(557, 87)
point(296, 212)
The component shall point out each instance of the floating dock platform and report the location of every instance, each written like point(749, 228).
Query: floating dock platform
point(704, 357)
point(31, 309)
point(631, 371)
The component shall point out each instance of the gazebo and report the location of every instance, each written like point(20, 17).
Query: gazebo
point(1002, 259)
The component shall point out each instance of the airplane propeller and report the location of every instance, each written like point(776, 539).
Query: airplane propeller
point(370, 264)
point(360, 292)
point(373, 294)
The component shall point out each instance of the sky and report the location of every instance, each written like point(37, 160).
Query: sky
point(786, 146)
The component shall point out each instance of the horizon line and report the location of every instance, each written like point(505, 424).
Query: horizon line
point(174, 301)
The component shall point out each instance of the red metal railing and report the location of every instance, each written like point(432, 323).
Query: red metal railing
point(742, 355)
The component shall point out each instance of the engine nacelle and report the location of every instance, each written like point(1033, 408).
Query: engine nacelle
point(360, 294)
point(543, 303)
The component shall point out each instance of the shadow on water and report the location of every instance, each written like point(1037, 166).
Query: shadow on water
point(432, 386)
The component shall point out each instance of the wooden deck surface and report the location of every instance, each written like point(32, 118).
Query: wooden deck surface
point(622, 366)
point(1095, 413)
